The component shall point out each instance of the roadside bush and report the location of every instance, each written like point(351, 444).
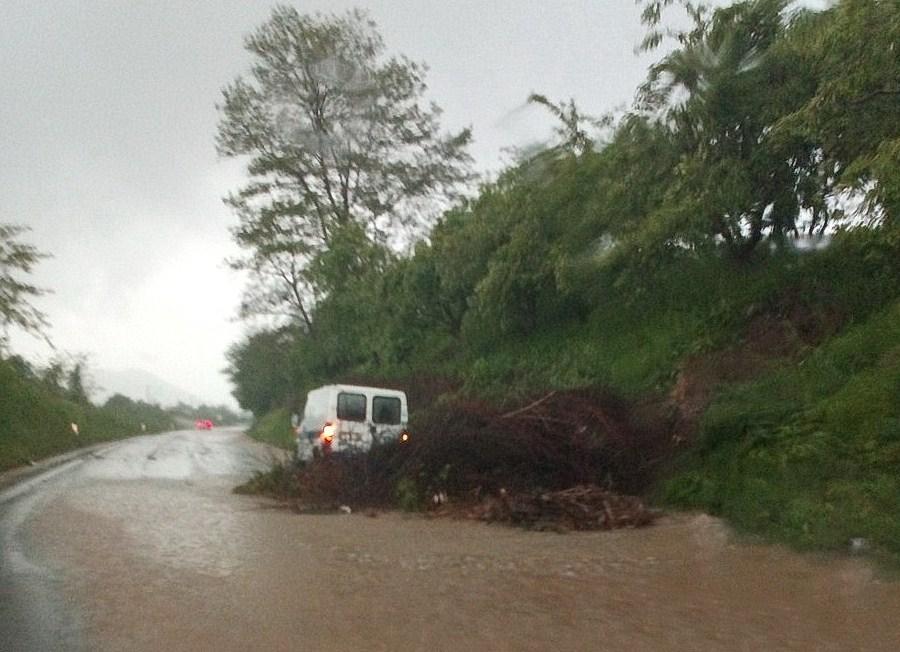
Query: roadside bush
point(35, 421)
point(275, 428)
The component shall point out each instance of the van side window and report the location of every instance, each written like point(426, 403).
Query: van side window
point(351, 407)
point(386, 410)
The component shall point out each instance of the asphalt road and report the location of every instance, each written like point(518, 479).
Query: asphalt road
point(141, 545)
point(37, 609)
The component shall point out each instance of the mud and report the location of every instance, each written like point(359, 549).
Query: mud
point(175, 561)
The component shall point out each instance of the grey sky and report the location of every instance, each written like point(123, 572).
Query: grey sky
point(107, 118)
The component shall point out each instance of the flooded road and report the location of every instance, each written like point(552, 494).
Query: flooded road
point(142, 546)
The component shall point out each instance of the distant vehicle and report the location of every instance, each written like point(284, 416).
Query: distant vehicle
point(203, 424)
point(350, 418)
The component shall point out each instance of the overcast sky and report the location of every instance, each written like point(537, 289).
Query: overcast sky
point(107, 117)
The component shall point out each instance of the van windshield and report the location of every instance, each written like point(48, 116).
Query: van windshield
point(386, 410)
point(351, 407)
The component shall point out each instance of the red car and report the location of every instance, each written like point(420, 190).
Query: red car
point(203, 424)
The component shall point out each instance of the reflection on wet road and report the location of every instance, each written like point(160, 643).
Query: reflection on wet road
point(143, 547)
point(139, 485)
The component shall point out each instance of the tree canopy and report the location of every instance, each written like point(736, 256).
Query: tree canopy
point(346, 161)
point(17, 260)
point(764, 120)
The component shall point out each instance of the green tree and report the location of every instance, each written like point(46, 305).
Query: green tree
point(652, 18)
point(259, 368)
point(722, 93)
point(22, 367)
point(343, 156)
point(572, 131)
point(17, 259)
point(853, 53)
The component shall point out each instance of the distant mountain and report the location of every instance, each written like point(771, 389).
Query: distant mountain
point(139, 385)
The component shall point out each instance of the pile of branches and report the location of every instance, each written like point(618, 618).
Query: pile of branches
point(364, 480)
point(575, 459)
point(556, 441)
point(583, 507)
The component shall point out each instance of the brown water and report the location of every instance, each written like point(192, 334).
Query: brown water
point(177, 562)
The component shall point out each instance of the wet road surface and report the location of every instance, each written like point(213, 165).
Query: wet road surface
point(142, 546)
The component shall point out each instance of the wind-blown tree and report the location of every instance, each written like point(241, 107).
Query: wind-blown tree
point(652, 18)
point(344, 157)
point(852, 50)
point(53, 377)
point(17, 259)
point(572, 132)
point(721, 93)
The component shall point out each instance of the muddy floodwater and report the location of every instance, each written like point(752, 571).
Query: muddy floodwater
point(142, 546)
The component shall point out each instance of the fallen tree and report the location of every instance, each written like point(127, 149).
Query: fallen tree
point(573, 459)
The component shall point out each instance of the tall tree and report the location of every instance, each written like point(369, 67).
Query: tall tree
point(721, 93)
point(341, 148)
point(852, 50)
point(17, 259)
point(259, 369)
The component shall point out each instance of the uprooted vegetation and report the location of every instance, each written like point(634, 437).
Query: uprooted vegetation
point(570, 459)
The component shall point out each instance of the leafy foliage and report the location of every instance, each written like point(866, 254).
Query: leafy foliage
point(618, 261)
point(275, 428)
point(35, 418)
point(260, 370)
point(851, 52)
point(344, 159)
point(153, 417)
point(18, 258)
point(808, 454)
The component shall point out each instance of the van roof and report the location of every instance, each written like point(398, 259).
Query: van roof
point(362, 389)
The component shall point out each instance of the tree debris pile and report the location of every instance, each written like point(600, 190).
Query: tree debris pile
point(583, 507)
point(557, 441)
point(574, 459)
point(326, 483)
point(365, 480)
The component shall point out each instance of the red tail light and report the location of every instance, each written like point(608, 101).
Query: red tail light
point(328, 433)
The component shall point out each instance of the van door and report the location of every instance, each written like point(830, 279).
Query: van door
point(352, 413)
point(387, 417)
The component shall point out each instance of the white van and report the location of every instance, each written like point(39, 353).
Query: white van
point(350, 418)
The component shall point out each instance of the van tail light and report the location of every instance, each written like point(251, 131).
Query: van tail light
point(328, 433)
point(404, 437)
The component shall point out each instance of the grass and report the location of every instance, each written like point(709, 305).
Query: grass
point(639, 332)
point(274, 428)
point(35, 423)
point(808, 454)
point(637, 336)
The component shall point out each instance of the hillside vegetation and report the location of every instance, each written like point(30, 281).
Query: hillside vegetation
point(36, 417)
point(722, 261)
